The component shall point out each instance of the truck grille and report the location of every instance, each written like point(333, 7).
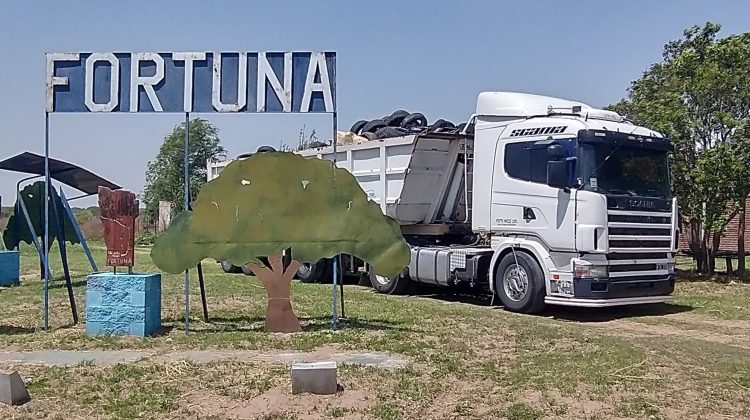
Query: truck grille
point(640, 245)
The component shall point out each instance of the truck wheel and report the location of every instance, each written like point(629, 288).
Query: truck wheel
point(229, 267)
point(520, 287)
point(311, 273)
point(390, 286)
point(246, 269)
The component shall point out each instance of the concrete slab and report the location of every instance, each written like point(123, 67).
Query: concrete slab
point(315, 378)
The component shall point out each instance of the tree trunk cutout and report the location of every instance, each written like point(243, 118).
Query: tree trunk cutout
point(278, 282)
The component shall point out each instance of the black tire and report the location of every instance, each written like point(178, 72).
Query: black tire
point(414, 120)
point(396, 118)
point(311, 273)
point(228, 267)
point(373, 125)
point(388, 132)
point(398, 285)
point(357, 126)
point(532, 301)
point(246, 270)
point(441, 123)
point(369, 136)
point(263, 149)
point(460, 127)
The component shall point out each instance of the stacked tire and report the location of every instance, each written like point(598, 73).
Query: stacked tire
point(401, 123)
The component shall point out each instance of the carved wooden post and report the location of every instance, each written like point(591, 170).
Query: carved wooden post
point(119, 210)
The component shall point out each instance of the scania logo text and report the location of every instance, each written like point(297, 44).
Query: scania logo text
point(644, 204)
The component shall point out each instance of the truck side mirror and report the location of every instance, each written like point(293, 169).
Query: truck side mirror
point(557, 174)
point(560, 167)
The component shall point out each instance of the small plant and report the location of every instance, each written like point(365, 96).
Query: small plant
point(146, 238)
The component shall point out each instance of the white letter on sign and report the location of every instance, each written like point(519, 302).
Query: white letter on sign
point(53, 80)
point(265, 72)
point(317, 64)
point(241, 85)
point(189, 58)
point(148, 82)
point(114, 82)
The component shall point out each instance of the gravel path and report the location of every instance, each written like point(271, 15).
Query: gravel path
point(111, 357)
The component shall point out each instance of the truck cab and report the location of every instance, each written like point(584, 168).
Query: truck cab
point(583, 192)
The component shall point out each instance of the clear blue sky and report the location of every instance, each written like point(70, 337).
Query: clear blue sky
point(426, 56)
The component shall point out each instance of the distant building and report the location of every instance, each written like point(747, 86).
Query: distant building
point(728, 244)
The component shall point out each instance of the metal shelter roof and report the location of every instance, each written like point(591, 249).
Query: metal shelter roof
point(67, 173)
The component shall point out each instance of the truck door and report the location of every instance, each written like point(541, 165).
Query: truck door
point(521, 200)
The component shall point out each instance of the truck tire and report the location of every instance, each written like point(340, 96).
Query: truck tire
point(398, 285)
point(228, 267)
point(357, 126)
point(414, 120)
point(520, 287)
point(246, 269)
point(441, 123)
point(373, 125)
point(311, 273)
point(396, 118)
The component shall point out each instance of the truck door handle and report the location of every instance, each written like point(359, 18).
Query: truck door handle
point(528, 214)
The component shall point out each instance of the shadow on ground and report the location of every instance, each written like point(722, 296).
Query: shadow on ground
point(613, 313)
point(13, 330)
point(309, 324)
point(568, 313)
point(60, 284)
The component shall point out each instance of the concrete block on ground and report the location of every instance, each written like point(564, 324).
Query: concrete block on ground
point(12, 389)
point(315, 378)
point(123, 304)
point(10, 273)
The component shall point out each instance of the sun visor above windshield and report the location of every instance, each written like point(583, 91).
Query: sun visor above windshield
point(627, 139)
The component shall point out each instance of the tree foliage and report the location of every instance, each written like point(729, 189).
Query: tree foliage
point(699, 95)
point(273, 201)
point(165, 174)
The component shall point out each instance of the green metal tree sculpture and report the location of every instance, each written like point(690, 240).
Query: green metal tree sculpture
point(273, 201)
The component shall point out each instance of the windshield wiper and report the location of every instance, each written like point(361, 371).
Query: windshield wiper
point(619, 191)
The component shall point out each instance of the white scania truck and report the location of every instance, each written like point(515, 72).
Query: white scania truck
point(545, 201)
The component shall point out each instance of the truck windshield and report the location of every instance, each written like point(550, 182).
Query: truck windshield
point(619, 169)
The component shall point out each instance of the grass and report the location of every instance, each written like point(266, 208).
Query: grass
point(467, 360)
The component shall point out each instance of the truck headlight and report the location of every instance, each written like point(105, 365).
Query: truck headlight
point(590, 271)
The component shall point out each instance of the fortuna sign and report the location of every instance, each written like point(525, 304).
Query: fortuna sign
point(191, 82)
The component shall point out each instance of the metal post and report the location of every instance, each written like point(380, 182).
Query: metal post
point(46, 221)
point(334, 321)
point(185, 207)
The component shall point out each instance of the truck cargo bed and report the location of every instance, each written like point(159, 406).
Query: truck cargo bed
point(415, 178)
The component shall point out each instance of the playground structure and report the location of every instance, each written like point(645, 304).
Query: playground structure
point(29, 218)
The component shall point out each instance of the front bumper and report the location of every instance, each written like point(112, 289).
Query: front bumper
point(615, 288)
point(604, 303)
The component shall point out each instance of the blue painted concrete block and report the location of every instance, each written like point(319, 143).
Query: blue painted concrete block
point(9, 268)
point(123, 304)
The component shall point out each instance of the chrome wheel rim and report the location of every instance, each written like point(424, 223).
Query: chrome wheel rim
point(382, 280)
point(515, 282)
point(304, 270)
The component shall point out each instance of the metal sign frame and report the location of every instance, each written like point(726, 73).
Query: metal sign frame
point(186, 82)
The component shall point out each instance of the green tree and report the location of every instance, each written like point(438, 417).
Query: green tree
point(698, 96)
point(270, 202)
point(165, 174)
